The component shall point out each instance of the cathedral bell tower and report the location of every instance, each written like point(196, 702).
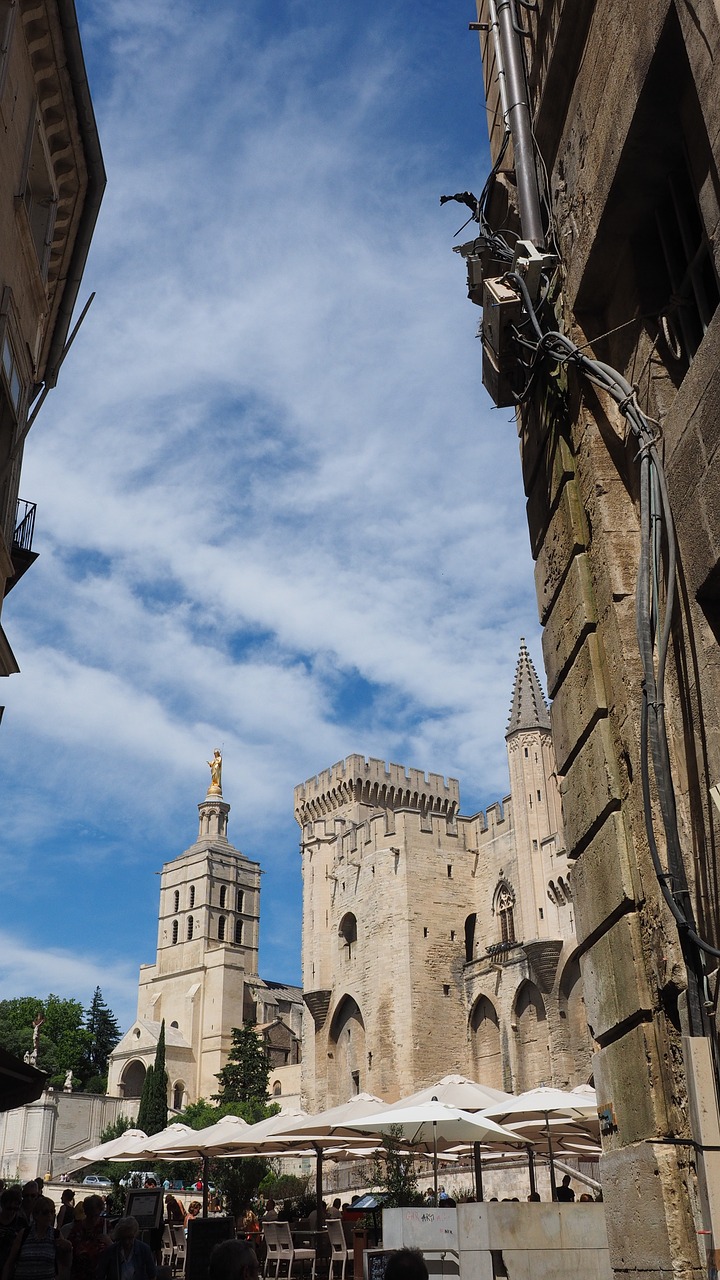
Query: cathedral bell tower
point(207, 955)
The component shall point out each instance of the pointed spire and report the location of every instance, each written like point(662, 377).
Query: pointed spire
point(529, 709)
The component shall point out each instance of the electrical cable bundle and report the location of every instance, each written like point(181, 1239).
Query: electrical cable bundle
point(656, 575)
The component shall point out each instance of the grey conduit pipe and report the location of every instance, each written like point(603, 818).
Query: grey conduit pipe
point(518, 120)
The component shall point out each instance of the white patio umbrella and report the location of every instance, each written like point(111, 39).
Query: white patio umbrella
point(547, 1105)
point(460, 1091)
point(327, 1131)
point(130, 1142)
point(198, 1142)
point(430, 1124)
point(457, 1091)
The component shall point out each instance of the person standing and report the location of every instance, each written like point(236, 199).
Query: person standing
point(38, 1253)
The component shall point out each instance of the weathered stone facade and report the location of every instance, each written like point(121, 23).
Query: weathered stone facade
point(434, 942)
point(625, 111)
point(51, 184)
point(205, 980)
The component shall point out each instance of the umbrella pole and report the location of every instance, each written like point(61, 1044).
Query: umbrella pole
point(478, 1171)
point(205, 1165)
point(319, 1187)
point(531, 1171)
point(553, 1187)
point(435, 1184)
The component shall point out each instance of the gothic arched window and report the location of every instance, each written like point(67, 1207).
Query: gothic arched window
point(176, 900)
point(189, 928)
point(192, 896)
point(175, 932)
point(504, 910)
point(223, 894)
point(221, 928)
point(238, 933)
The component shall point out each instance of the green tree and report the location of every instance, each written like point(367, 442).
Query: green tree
point(237, 1179)
point(394, 1172)
point(152, 1113)
point(63, 1039)
point(104, 1032)
point(245, 1076)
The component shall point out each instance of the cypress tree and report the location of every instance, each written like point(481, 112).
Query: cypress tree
point(152, 1114)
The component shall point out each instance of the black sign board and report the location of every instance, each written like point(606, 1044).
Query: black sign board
point(203, 1235)
point(146, 1207)
point(375, 1262)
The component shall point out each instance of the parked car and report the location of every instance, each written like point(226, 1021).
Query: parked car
point(94, 1180)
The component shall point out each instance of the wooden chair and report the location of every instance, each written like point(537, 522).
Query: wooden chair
point(272, 1248)
point(339, 1251)
point(288, 1252)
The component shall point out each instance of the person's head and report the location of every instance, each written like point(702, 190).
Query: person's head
point(586, 1198)
point(406, 1264)
point(30, 1191)
point(194, 1208)
point(67, 1196)
point(11, 1198)
point(337, 1203)
point(43, 1212)
point(534, 1195)
point(233, 1260)
point(126, 1230)
point(94, 1206)
point(270, 1203)
point(566, 1180)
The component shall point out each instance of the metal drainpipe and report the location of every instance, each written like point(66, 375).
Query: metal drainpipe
point(518, 118)
point(502, 86)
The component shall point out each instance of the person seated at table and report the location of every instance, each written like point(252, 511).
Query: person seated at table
point(335, 1210)
point(311, 1222)
point(194, 1210)
point(233, 1260)
point(174, 1212)
point(271, 1213)
point(127, 1258)
point(406, 1264)
point(249, 1221)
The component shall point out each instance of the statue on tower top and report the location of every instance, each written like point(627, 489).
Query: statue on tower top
point(215, 767)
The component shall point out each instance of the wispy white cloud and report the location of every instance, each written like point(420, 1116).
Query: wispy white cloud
point(274, 510)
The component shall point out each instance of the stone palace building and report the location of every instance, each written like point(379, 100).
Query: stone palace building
point(435, 942)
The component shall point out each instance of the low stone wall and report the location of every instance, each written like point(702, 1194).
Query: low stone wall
point(520, 1241)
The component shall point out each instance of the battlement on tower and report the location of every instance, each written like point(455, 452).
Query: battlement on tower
point(376, 784)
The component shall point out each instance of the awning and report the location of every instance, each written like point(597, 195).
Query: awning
point(19, 1082)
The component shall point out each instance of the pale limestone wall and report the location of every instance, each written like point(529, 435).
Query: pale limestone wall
point(199, 982)
point(42, 1137)
point(548, 1242)
point(393, 973)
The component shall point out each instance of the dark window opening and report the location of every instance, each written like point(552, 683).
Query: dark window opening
point(238, 933)
point(192, 896)
point(190, 927)
point(223, 894)
point(470, 923)
point(175, 932)
point(221, 928)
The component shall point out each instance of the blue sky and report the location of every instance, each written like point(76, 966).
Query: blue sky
point(276, 511)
